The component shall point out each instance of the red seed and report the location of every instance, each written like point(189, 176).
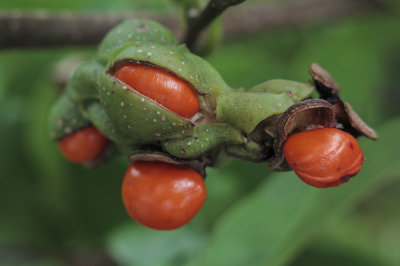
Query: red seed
point(160, 86)
point(324, 157)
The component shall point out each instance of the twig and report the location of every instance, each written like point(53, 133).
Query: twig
point(211, 12)
point(43, 29)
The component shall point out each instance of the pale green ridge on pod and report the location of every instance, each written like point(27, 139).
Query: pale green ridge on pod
point(96, 113)
point(131, 33)
point(139, 117)
point(65, 118)
point(84, 83)
point(204, 138)
point(297, 90)
point(244, 110)
point(179, 61)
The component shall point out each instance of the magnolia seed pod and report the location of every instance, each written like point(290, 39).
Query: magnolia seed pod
point(148, 94)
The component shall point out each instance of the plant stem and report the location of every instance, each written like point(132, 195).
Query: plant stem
point(211, 12)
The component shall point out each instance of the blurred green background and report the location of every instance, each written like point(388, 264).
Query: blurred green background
point(57, 213)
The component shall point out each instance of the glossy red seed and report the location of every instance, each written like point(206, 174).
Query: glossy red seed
point(160, 86)
point(162, 196)
point(84, 145)
point(324, 157)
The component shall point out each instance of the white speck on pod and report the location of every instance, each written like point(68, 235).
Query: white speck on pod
point(154, 120)
point(122, 103)
point(142, 99)
point(163, 118)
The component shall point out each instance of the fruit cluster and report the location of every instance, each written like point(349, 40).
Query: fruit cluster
point(148, 97)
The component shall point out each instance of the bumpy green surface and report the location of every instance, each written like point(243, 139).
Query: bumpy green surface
point(204, 138)
point(135, 122)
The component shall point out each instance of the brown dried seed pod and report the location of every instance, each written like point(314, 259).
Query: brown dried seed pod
point(307, 114)
point(345, 115)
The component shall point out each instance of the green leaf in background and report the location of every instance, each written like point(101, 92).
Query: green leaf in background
point(373, 225)
point(138, 245)
point(269, 226)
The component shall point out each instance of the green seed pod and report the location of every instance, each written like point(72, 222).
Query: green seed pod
point(203, 139)
point(140, 118)
point(137, 116)
point(245, 110)
point(65, 118)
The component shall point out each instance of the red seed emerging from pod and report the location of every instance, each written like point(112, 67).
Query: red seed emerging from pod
point(324, 157)
point(162, 196)
point(160, 86)
point(84, 145)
